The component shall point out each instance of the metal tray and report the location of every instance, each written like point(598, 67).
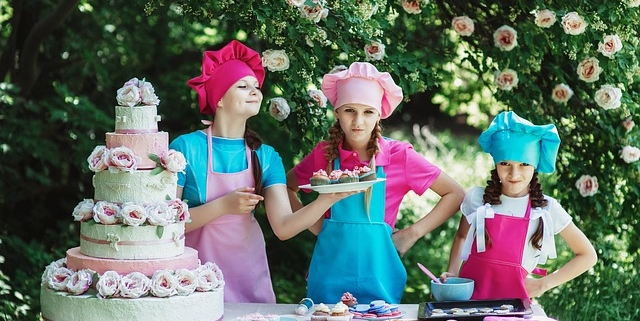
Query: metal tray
point(426, 309)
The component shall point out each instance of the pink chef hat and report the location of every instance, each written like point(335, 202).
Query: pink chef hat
point(363, 84)
point(221, 69)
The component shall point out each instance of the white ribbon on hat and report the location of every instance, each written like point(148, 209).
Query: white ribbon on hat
point(476, 220)
point(548, 248)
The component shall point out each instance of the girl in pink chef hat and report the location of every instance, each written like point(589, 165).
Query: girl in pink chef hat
point(357, 248)
point(508, 226)
point(229, 171)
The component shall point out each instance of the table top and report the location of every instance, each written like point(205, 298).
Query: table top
point(234, 310)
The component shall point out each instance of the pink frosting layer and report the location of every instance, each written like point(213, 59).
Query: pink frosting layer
point(142, 145)
point(78, 261)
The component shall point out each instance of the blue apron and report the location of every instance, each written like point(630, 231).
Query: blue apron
point(354, 252)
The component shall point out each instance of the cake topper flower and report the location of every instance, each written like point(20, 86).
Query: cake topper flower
point(137, 92)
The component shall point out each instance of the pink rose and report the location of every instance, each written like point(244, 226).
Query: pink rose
point(318, 98)
point(275, 60)
point(163, 284)
point(179, 210)
point(589, 69)
point(209, 277)
point(505, 38)
point(506, 79)
point(158, 214)
point(374, 51)
point(59, 278)
point(97, 159)
point(80, 281)
point(630, 154)
point(84, 210)
point(587, 185)
point(561, 93)
point(122, 159)
point(545, 18)
point(628, 124)
point(463, 25)
point(106, 213)
point(411, 6)
point(50, 270)
point(133, 214)
point(279, 108)
point(108, 284)
point(187, 281)
point(134, 285)
point(573, 23)
point(608, 97)
point(174, 161)
point(610, 45)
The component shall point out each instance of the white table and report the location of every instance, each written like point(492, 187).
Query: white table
point(234, 310)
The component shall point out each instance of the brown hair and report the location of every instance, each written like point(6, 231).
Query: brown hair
point(492, 196)
point(254, 142)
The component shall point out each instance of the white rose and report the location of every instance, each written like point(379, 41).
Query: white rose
point(628, 124)
point(128, 96)
point(608, 97)
point(209, 277)
point(123, 159)
point(106, 213)
point(630, 154)
point(411, 6)
point(561, 93)
point(633, 3)
point(187, 281)
point(84, 210)
point(133, 214)
point(158, 214)
point(275, 60)
point(108, 284)
point(295, 3)
point(463, 25)
point(97, 159)
point(610, 45)
point(587, 185)
point(573, 23)
point(279, 108)
point(545, 18)
point(148, 94)
point(505, 38)
point(163, 284)
point(179, 210)
point(318, 97)
point(589, 69)
point(374, 51)
point(80, 281)
point(174, 161)
point(314, 12)
point(506, 79)
point(50, 270)
point(134, 285)
point(58, 279)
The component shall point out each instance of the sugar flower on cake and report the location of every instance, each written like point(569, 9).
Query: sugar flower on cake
point(463, 25)
point(608, 97)
point(134, 285)
point(179, 210)
point(58, 278)
point(317, 97)
point(545, 18)
point(561, 93)
point(374, 51)
point(84, 210)
point(133, 214)
point(80, 281)
point(172, 161)
point(137, 92)
point(108, 284)
point(505, 38)
point(573, 24)
point(106, 213)
point(589, 69)
point(279, 108)
point(158, 214)
point(163, 284)
point(122, 159)
point(630, 154)
point(506, 79)
point(209, 276)
point(609, 45)
point(587, 185)
point(50, 269)
point(98, 160)
point(275, 60)
point(187, 281)
point(412, 6)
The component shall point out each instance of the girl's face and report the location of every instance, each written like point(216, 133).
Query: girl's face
point(243, 97)
point(515, 177)
point(357, 122)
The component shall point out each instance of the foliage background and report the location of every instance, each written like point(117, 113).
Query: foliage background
point(62, 61)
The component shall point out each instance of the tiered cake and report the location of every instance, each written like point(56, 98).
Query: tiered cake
point(132, 263)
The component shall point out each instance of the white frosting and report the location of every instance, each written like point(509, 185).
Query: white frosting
point(131, 242)
point(142, 145)
point(199, 306)
point(137, 119)
point(138, 186)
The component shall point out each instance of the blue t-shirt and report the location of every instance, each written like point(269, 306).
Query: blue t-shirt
point(229, 156)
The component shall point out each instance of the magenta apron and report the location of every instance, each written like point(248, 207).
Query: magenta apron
point(497, 270)
point(234, 241)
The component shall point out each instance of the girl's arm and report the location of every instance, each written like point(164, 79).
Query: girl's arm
point(296, 204)
point(584, 258)
point(455, 261)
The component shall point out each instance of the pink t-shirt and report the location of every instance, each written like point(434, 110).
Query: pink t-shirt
point(406, 170)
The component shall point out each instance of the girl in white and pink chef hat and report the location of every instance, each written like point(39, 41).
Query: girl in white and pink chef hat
point(358, 249)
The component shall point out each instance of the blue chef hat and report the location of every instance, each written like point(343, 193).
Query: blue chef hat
point(510, 137)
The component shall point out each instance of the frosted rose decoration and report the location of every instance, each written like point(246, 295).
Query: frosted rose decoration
point(133, 214)
point(163, 284)
point(275, 60)
point(58, 279)
point(136, 93)
point(174, 161)
point(506, 79)
point(179, 210)
point(209, 277)
point(187, 281)
point(545, 18)
point(374, 51)
point(337, 69)
point(608, 97)
point(158, 214)
point(561, 93)
point(628, 124)
point(50, 270)
point(108, 284)
point(134, 285)
point(106, 213)
point(589, 69)
point(505, 38)
point(411, 6)
point(84, 210)
point(630, 154)
point(80, 281)
point(98, 160)
point(610, 45)
point(463, 25)
point(318, 98)
point(122, 159)
point(279, 108)
point(587, 185)
point(573, 23)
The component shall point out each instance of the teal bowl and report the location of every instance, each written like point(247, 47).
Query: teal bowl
point(455, 289)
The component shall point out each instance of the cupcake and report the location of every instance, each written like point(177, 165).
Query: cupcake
point(340, 312)
point(320, 313)
point(349, 300)
point(319, 178)
point(348, 176)
point(334, 176)
point(366, 174)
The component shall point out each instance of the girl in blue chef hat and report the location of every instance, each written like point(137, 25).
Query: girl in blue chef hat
point(508, 226)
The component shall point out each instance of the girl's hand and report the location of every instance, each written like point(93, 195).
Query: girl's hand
point(445, 275)
point(403, 240)
point(535, 286)
point(241, 201)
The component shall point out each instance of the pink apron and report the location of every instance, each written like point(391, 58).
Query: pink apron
point(234, 241)
point(497, 271)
